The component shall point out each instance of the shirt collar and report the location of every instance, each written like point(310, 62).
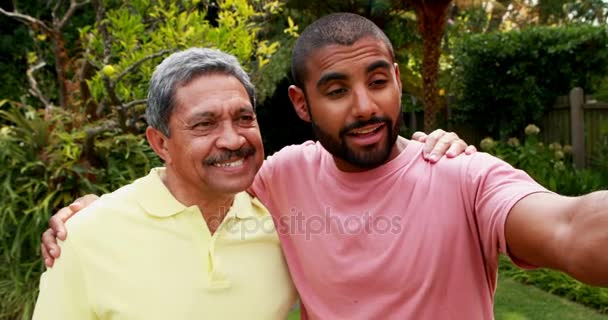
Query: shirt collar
point(156, 199)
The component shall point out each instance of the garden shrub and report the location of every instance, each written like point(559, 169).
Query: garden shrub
point(558, 283)
point(505, 80)
point(42, 170)
point(51, 153)
point(551, 165)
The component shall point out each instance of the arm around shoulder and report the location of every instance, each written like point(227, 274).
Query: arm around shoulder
point(569, 234)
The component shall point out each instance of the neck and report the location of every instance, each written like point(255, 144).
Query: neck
point(213, 206)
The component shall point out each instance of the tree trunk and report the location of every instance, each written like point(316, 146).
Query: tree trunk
point(432, 17)
point(62, 66)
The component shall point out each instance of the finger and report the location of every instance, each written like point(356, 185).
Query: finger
point(49, 241)
point(431, 140)
point(456, 148)
point(85, 200)
point(442, 146)
point(470, 150)
point(48, 261)
point(419, 136)
point(57, 221)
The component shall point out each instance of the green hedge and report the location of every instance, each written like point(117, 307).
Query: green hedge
point(560, 284)
point(551, 165)
point(42, 171)
point(503, 81)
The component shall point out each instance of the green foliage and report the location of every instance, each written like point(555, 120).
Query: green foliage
point(42, 171)
point(550, 165)
point(53, 155)
point(560, 284)
point(599, 160)
point(504, 81)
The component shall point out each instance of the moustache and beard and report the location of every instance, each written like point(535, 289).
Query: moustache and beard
point(367, 158)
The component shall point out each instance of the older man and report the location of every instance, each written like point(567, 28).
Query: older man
point(184, 242)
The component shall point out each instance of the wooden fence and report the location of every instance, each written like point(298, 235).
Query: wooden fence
point(579, 121)
point(575, 120)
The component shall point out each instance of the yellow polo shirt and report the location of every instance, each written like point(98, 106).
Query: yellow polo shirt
point(138, 253)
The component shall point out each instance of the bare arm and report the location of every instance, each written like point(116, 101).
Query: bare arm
point(564, 233)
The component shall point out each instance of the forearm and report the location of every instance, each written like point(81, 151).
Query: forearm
point(587, 246)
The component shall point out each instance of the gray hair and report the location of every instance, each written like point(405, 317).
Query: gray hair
point(179, 69)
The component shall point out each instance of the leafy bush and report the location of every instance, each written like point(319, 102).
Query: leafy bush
point(504, 81)
point(92, 141)
point(42, 171)
point(560, 284)
point(551, 165)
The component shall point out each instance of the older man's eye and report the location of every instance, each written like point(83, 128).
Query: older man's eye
point(246, 119)
point(203, 125)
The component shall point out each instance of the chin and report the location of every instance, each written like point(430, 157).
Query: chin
point(234, 185)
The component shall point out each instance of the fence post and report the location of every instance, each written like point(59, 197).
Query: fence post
point(577, 99)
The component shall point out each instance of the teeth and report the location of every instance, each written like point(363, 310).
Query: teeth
point(229, 164)
point(364, 131)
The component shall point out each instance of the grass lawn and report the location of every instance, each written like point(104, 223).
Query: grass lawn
point(516, 301)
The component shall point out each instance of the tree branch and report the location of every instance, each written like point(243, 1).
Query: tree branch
point(56, 9)
point(34, 90)
point(29, 20)
point(139, 62)
point(74, 5)
point(134, 103)
point(122, 117)
point(101, 26)
point(88, 149)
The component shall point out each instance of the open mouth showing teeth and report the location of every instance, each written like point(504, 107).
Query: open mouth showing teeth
point(229, 164)
point(365, 130)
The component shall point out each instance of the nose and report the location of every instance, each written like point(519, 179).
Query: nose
point(364, 106)
point(229, 137)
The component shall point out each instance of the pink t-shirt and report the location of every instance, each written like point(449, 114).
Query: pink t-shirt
point(407, 240)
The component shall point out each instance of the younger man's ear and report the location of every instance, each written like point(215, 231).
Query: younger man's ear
point(298, 100)
point(158, 142)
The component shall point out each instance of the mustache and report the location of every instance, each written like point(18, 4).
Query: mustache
point(360, 124)
point(229, 154)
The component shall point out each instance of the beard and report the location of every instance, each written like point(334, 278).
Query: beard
point(367, 157)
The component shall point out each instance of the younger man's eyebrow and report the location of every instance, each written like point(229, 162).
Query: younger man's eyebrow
point(380, 64)
point(330, 76)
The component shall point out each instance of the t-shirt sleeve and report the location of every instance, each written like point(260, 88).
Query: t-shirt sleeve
point(63, 289)
point(261, 187)
point(276, 169)
point(496, 188)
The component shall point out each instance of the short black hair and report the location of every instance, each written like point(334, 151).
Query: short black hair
point(338, 28)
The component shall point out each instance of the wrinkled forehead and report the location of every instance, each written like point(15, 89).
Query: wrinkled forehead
point(214, 92)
